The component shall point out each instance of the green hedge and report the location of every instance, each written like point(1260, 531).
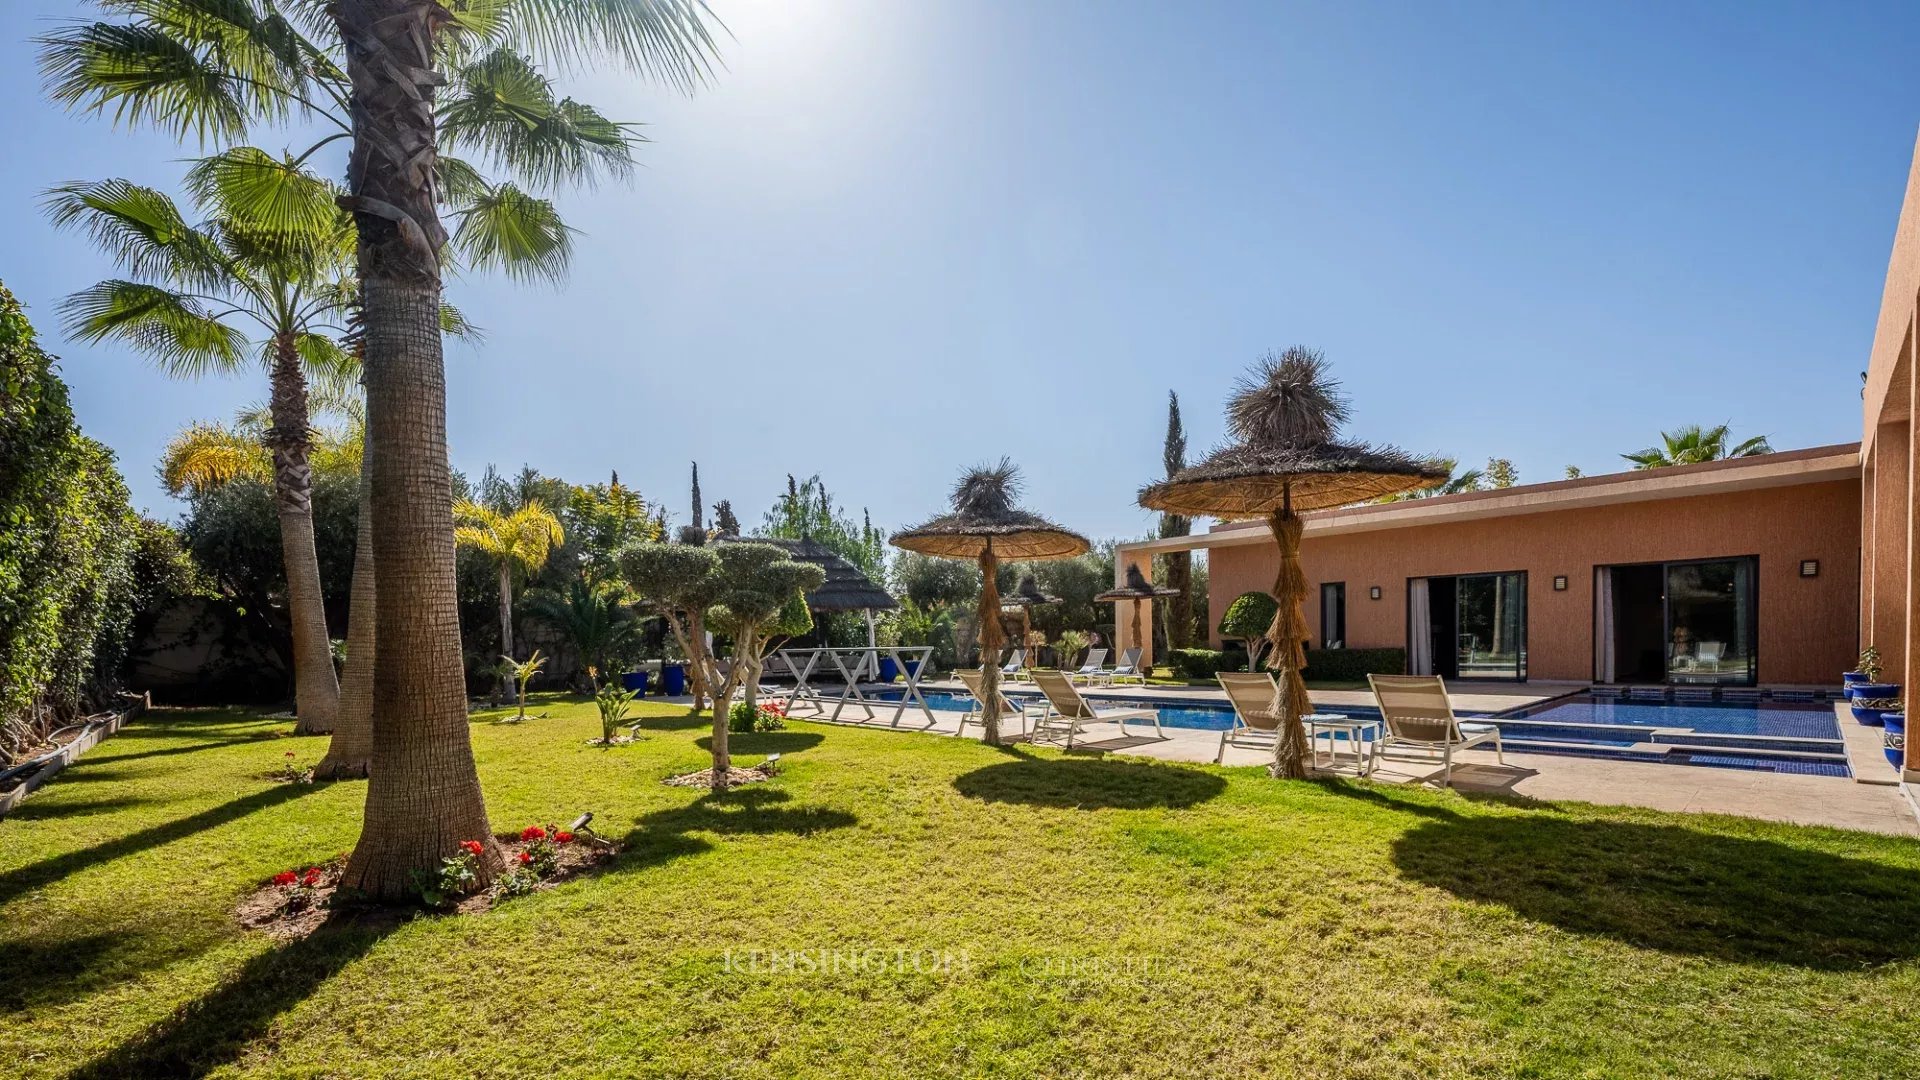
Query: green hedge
point(67, 542)
point(1354, 665)
point(1323, 665)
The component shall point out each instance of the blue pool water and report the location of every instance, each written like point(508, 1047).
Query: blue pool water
point(1765, 735)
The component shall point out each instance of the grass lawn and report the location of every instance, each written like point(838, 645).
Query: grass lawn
point(1060, 916)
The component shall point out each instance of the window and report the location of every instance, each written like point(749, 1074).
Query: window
point(1333, 615)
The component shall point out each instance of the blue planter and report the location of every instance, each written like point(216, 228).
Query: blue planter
point(913, 667)
point(635, 680)
point(889, 670)
point(1863, 692)
point(1894, 742)
point(1851, 679)
point(673, 680)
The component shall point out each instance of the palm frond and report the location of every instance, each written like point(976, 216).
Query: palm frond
point(175, 331)
point(1288, 399)
point(454, 324)
point(207, 456)
point(141, 229)
point(499, 106)
point(671, 41)
point(509, 230)
point(247, 185)
point(143, 75)
point(333, 368)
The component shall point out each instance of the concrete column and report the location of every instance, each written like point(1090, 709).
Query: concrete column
point(1892, 469)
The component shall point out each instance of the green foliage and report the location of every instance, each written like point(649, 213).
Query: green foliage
point(1501, 473)
point(1203, 663)
point(807, 511)
point(1693, 444)
point(1354, 665)
point(1869, 664)
point(915, 625)
point(1249, 617)
point(68, 544)
point(613, 703)
point(1066, 647)
point(930, 583)
point(744, 719)
point(592, 618)
point(600, 520)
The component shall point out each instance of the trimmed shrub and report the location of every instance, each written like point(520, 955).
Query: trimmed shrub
point(1206, 663)
point(1354, 665)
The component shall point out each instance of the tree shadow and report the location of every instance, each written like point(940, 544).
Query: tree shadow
point(688, 721)
point(40, 972)
point(44, 811)
point(765, 742)
point(1674, 889)
point(1099, 783)
point(666, 835)
point(24, 879)
point(213, 1031)
point(107, 757)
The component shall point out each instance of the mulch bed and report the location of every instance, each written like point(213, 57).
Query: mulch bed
point(290, 913)
point(735, 777)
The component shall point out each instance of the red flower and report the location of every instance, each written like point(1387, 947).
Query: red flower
point(284, 878)
point(533, 832)
point(289, 753)
point(472, 847)
point(563, 837)
point(312, 877)
point(525, 858)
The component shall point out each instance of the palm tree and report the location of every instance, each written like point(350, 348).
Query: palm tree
point(520, 540)
point(1693, 444)
point(592, 618)
point(212, 70)
point(210, 299)
point(1457, 482)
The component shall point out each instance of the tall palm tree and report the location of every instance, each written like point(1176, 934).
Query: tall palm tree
point(1693, 444)
point(212, 298)
point(518, 540)
point(371, 68)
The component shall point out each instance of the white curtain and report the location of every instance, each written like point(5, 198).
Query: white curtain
point(1603, 658)
point(1419, 629)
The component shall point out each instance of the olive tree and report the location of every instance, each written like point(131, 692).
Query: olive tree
point(1248, 618)
point(740, 590)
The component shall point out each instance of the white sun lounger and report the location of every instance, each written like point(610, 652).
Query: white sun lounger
point(1068, 714)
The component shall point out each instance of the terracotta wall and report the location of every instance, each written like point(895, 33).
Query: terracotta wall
point(1808, 626)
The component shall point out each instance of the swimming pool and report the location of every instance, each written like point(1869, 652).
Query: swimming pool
point(1772, 736)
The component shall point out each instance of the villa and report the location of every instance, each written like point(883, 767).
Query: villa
point(1765, 573)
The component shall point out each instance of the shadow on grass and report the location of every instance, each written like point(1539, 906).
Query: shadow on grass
point(45, 972)
point(213, 1031)
point(666, 835)
point(107, 757)
point(765, 742)
point(1077, 783)
point(44, 811)
point(14, 883)
point(1674, 889)
point(687, 721)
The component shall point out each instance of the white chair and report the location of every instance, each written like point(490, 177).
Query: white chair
point(1068, 714)
point(1256, 721)
point(1091, 670)
point(1707, 655)
point(1128, 669)
point(1418, 713)
point(976, 683)
point(1015, 669)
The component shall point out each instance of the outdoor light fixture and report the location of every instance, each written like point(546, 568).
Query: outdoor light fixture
point(1559, 583)
point(1373, 593)
point(1809, 567)
point(580, 823)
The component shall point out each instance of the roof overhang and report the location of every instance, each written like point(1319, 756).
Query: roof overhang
point(1885, 398)
point(1821, 464)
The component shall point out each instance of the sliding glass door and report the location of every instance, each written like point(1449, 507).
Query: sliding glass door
point(1711, 621)
point(1490, 639)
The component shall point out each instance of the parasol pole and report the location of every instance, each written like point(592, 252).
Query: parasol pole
point(1285, 635)
point(991, 638)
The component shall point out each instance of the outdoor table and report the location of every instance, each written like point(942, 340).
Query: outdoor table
point(1334, 723)
point(910, 659)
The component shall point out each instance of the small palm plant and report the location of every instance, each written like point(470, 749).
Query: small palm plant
point(613, 703)
point(520, 673)
point(1694, 444)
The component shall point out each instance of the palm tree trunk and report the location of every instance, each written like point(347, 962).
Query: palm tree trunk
point(316, 690)
point(423, 797)
point(348, 754)
point(506, 624)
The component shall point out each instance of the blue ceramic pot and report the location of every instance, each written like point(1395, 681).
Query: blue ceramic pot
point(1851, 679)
point(673, 680)
point(1894, 742)
point(635, 680)
point(1865, 692)
point(889, 670)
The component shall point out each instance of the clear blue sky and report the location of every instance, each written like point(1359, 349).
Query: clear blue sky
point(1539, 231)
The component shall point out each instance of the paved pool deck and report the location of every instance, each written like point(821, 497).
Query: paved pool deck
point(1838, 802)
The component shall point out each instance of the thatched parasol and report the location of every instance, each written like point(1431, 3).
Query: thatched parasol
point(1026, 596)
point(1137, 589)
point(985, 525)
point(1285, 415)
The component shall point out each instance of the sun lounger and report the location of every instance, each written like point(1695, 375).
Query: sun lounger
point(1091, 670)
point(1068, 714)
point(1015, 669)
point(1418, 713)
point(975, 682)
point(1128, 669)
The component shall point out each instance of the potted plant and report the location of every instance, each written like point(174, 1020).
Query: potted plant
point(1872, 701)
point(1894, 741)
point(1867, 672)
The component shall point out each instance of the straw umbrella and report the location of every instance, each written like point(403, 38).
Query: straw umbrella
point(985, 525)
point(1137, 589)
point(1285, 415)
point(1026, 596)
